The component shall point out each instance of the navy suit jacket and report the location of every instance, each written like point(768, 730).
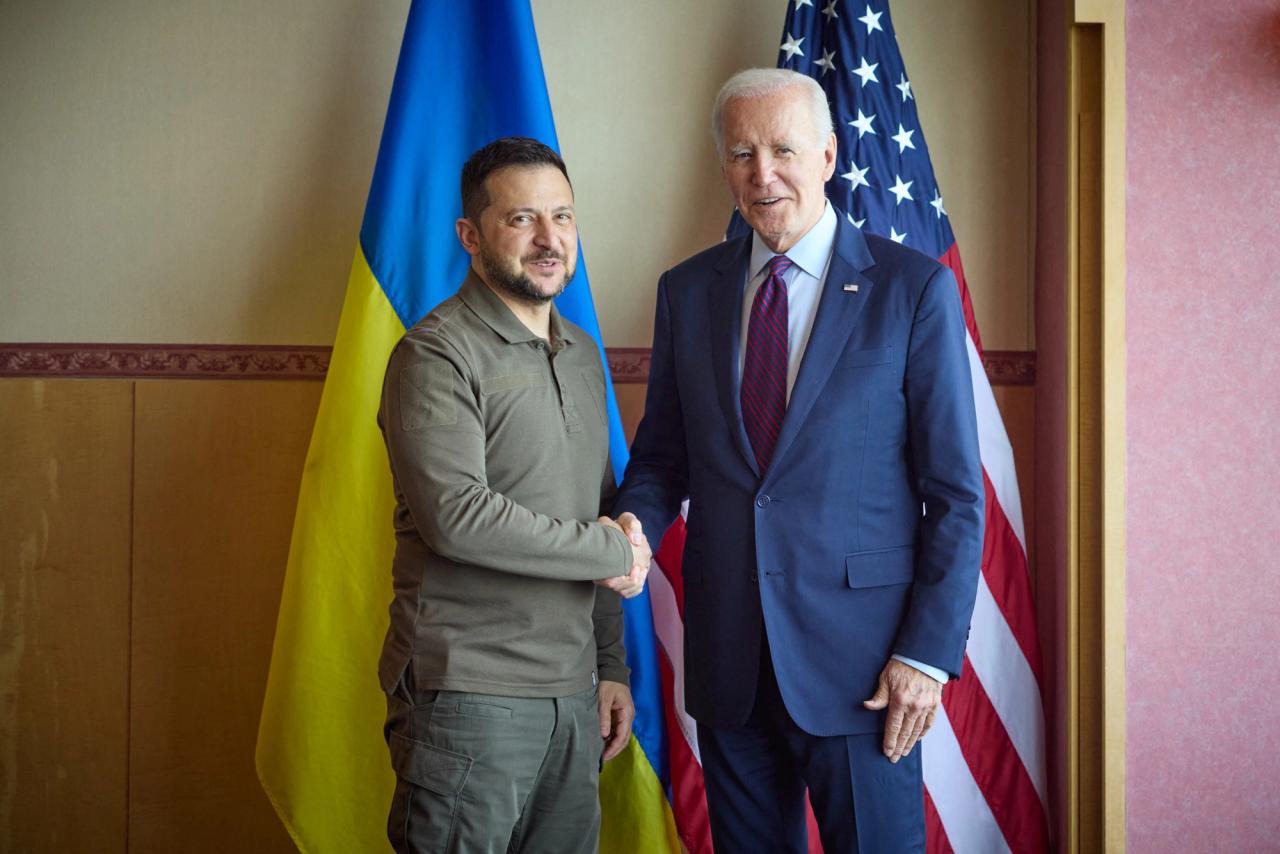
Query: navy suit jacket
point(864, 537)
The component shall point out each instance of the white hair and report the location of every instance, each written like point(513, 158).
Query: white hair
point(758, 82)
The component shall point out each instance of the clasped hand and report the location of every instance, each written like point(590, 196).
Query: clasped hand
point(632, 583)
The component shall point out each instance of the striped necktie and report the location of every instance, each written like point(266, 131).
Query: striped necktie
point(764, 368)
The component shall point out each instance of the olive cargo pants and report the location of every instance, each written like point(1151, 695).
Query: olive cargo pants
point(482, 773)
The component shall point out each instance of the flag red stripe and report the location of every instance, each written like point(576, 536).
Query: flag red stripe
point(811, 826)
point(670, 557)
point(935, 833)
point(688, 794)
point(995, 764)
point(1004, 565)
point(951, 258)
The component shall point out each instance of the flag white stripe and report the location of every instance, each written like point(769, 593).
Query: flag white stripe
point(971, 827)
point(670, 631)
point(993, 442)
point(1009, 683)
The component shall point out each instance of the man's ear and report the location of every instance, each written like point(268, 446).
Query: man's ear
point(468, 236)
point(829, 158)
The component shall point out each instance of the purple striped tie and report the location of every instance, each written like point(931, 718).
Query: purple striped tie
point(764, 368)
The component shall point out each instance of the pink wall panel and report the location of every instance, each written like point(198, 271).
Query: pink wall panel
point(1203, 326)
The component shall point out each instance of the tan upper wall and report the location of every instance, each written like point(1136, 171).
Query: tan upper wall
point(197, 173)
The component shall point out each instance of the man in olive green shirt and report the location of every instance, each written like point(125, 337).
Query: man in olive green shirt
point(503, 665)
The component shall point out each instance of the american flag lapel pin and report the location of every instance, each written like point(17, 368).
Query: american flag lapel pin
point(851, 289)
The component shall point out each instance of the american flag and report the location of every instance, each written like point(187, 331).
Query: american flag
point(984, 764)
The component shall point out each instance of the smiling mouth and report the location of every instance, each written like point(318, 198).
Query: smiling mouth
point(767, 202)
point(545, 261)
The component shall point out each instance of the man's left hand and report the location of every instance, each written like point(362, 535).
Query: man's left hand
point(616, 714)
point(912, 698)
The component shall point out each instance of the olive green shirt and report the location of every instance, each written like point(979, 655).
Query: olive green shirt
point(499, 450)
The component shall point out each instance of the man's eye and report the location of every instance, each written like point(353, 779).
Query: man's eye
point(521, 219)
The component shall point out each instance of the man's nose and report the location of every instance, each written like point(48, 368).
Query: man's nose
point(762, 170)
point(544, 233)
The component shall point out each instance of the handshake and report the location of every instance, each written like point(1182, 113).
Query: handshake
point(632, 583)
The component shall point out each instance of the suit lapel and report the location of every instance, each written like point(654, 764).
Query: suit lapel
point(837, 315)
point(724, 302)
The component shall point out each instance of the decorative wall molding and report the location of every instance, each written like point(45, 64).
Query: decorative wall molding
point(152, 361)
point(1010, 367)
point(628, 364)
point(248, 361)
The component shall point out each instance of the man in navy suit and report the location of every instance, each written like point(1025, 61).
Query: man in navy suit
point(809, 394)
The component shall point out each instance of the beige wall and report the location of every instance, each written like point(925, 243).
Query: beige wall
point(197, 172)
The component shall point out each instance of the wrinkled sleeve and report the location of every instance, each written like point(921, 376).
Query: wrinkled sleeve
point(611, 655)
point(948, 470)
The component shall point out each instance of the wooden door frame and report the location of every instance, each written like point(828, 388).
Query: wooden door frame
point(1095, 430)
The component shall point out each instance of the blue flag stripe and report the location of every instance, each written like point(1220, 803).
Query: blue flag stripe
point(468, 74)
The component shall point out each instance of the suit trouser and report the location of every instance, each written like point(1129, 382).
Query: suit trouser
point(483, 773)
point(756, 776)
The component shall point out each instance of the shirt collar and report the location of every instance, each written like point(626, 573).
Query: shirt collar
point(490, 308)
point(810, 253)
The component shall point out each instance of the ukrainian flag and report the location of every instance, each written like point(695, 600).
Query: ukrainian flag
point(468, 73)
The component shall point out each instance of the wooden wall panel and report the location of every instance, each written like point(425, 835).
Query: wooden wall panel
point(217, 472)
point(630, 406)
point(64, 614)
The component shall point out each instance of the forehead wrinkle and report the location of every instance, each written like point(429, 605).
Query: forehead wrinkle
point(768, 136)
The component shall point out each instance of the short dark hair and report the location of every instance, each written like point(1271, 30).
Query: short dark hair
point(499, 154)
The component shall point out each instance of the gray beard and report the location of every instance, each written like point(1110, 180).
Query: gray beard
point(518, 285)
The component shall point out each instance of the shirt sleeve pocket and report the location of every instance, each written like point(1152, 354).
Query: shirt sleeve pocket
point(881, 567)
point(426, 396)
point(595, 391)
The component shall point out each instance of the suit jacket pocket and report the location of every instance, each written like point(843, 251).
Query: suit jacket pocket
point(866, 358)
point(881, 566)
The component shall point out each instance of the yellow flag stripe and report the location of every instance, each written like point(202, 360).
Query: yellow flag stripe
point(635, 815)
point(320, 755)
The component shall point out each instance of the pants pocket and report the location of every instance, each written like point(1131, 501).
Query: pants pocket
point(428, 782)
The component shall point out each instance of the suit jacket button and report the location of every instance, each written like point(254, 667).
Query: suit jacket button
point(763, 501)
